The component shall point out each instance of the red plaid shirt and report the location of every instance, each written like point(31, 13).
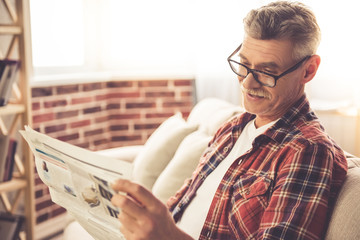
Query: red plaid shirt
point(282, 188)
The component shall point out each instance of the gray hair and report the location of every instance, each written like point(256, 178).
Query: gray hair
point(285, 20)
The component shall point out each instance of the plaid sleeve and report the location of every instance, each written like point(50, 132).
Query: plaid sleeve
point(299, 202)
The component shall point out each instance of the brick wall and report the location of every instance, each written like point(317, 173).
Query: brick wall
point(104, 115)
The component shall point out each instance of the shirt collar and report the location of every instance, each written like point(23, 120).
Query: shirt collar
point(296, 116)
point(299, 112)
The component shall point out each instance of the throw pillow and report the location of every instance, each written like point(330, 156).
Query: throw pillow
point(181, 166)
point(159, 149)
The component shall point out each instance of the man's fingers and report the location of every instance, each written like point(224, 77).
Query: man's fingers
point(126, 232)
point(127, 205)
point(127, 222)
point(139, 193)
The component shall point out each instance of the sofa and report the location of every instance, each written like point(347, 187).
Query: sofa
point(172, 152)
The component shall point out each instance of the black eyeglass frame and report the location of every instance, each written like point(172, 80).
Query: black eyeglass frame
point(252, 71)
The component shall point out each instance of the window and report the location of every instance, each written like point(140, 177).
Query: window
point(129, 38)
point(58, 34)
point(162, 38)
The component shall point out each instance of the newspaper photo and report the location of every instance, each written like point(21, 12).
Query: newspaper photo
point(80, 181)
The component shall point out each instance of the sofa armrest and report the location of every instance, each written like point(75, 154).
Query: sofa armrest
point(127, 153)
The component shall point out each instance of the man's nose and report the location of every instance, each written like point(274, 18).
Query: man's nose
point(249, 82)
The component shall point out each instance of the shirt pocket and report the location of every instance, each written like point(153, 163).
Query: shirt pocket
point(249, 200)
point(251, 192)
point(251, 186)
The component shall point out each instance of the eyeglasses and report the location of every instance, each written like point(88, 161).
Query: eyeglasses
point(264, 78)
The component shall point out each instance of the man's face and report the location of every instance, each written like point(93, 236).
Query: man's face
point(274, 57)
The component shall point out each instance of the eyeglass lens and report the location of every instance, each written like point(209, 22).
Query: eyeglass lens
point(242, 71)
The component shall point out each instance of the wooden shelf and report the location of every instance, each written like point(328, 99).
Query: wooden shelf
point(14, 184)
point(13, 30)
point(12, 109)
point(17, 195)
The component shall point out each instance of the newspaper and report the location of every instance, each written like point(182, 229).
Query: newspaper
point(80, 181)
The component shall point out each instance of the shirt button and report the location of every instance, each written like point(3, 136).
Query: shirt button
point(226, 149)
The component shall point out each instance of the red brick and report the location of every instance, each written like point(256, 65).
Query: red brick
point(124, 116)
point(92, 110)
point(140, 105)
point(85, 145)
point(58, 211)
point(55, 128)
point(46, 190)
point(119, 84)
point(116, 95)
point(35, 106)
point(183, 82)
point(153, 83)
point(185, 114)
point(101, 97)
point(118, 127)
point(102, 119)
point(177, 104)
point(139, 126)
point(92, 86)
point(186, 94)
point(43, 117)
point(41, 92)
point(67, 114)
point(82, 123)
point(159, 115)
point(66, 89)
point(43, 204)
point(81, 100)
point(111, 106)
point(39, 193)
point(42, 218)
point(159, 94)
point(69, 137)
point(101, 141)
point(55, 103)
point(93, 132)
point(37, 129)
point(125, 138)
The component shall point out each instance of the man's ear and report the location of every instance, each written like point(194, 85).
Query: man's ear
point(311, 67)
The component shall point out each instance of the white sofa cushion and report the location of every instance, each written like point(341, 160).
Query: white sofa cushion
point(126, 153)
point(344, 223)
point(159, 149)
point(211, 113)
point(181, 165)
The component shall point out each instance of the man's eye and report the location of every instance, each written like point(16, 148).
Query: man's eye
point(269, 71)
point(245, 63)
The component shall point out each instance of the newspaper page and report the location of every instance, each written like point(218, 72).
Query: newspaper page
point(80, 181)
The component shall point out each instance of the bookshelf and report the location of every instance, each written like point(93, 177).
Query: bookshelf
point(17, 195)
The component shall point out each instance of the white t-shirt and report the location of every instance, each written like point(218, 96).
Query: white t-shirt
point(195, 214)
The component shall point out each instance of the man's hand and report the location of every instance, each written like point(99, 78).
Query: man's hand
point(142, 215)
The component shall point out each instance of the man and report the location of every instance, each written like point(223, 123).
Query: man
point(270, 173)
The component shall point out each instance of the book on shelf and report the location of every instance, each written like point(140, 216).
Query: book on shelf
point(7, 157)
point(4, 146)
point(8, 72)
point(10, 161)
